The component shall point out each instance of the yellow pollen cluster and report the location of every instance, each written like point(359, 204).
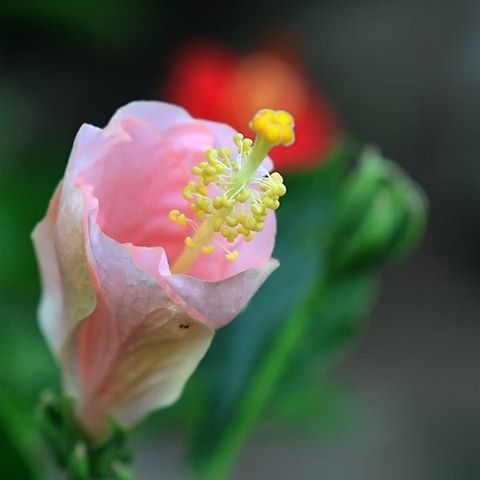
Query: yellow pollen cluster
point(276, 127)
point(231, 195)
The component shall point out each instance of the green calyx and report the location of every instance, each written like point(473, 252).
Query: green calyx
point(80, 457)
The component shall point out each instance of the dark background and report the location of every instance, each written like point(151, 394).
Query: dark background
point(402, 74)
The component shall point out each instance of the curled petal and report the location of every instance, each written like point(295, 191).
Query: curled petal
point(135, 352)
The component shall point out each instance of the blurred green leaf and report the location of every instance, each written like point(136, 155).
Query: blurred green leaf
point(317, 407)
point(26, 365)
point(17, 438)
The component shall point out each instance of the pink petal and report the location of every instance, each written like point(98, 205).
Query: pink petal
point(135, 352)
point(161, 116)
point(217, 303)
point(52, 314)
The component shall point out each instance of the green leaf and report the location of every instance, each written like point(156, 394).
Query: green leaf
point(17, 439)
point(316, 407)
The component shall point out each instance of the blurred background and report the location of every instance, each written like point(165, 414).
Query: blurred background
point(400, 74)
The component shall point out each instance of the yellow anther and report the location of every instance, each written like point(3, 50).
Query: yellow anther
point(189, 242)
point(217, 202)
point(250, 223)
point(227, 202)
point(242, 218)
point(225, 152)
point(204, 204)
point(211, 155)
point(187, 193)
point(258, 227)
point(249, 237)
point(201, 189)
point(231, 221)
point(229, 233)
point(247, 144)
point(209, 171)
point(209, 180)
point(219, 168)
point(173, 215)
point(238, 140)
point(208, 249)
point(232, 256)
point(182, 220)
point(276, 177)
point(196, 170)
point(268, 202)
point(243, 196)
point(281, 190)
point(257, 209)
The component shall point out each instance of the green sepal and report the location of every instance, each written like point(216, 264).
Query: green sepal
point(78, 465)
point(80, 456)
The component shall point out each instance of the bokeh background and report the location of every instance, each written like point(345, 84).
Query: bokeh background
point(401, 74)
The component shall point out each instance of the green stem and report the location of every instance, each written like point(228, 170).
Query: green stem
point(262, 388)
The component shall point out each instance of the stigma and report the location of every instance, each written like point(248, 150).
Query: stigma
point(231, 193)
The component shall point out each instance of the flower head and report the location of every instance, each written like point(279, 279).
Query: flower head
point(131, 300)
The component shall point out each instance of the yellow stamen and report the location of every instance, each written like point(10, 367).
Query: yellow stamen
point(189, 243)
point(246, 192)
point(208, 249)
point(232, 256)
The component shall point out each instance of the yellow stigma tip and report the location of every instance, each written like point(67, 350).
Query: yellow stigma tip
point(272, 133)
point(275, 127)
point(283, 118)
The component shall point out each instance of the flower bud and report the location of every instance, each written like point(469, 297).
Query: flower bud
point(381, 214)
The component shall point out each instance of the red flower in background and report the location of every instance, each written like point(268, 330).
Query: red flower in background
point(212, 82)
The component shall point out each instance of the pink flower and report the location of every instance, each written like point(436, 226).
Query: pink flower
point(127, 331)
